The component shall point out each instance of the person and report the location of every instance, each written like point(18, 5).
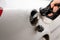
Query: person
point(55, 8)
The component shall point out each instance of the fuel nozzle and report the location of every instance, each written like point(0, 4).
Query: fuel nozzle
point(47, 10)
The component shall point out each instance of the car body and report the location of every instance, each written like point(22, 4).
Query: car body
point(15, 21)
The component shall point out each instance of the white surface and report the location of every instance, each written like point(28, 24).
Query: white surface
point(25, 4)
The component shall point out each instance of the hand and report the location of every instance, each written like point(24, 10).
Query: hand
point(54, 2)
point(55, 8)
